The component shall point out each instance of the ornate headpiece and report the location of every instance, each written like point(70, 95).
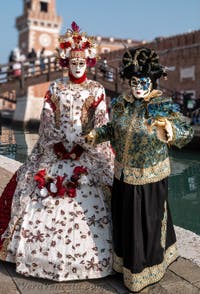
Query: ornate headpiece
point(142, 61)
point(75, 44)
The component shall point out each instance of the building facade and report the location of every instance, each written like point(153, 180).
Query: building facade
point(180, 54)
point(109, 44)
point(38, 28)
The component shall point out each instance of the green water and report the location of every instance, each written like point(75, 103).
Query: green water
point(184, 189)
point(184, 181)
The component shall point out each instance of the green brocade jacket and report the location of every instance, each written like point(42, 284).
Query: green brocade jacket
point(140, 156)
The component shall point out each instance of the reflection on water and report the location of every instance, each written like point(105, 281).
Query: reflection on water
point(184, 189)
point(184, 181)
point(17, 143)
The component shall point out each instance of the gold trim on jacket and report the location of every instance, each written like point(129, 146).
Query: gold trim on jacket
point(141, 176)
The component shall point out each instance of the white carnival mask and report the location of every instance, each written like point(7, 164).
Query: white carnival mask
point(77, 67)
point(141, 87)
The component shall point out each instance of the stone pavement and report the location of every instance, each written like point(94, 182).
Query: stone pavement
point(182, 277)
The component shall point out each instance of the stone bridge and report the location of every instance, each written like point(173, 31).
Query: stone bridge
point(9, 81)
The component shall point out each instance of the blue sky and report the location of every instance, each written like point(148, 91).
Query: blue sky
point(139, 20)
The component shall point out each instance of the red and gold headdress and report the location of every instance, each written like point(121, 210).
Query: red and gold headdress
point(75, 44)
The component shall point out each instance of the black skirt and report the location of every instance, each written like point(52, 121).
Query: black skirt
point(143, 233)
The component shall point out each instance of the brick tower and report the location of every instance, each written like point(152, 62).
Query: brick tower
point(38, 28)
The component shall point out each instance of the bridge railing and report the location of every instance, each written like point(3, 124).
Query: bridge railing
point(19, 75)
point(27, 68)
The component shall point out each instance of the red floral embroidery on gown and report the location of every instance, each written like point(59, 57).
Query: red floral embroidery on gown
point(66, 236)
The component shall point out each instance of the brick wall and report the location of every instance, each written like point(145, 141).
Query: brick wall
point(181, 54)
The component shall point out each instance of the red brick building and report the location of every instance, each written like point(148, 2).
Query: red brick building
point(38, 26)
point(181, 55)
point(106, 44)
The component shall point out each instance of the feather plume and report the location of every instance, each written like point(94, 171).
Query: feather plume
point(75, 27)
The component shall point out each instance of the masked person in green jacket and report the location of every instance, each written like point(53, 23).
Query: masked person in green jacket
point(144, 125)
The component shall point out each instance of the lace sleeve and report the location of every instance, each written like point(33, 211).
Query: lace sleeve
point(49, 130)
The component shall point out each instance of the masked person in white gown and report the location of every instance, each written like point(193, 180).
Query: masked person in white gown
point(54, 213)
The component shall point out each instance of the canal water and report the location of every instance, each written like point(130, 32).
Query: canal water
point(184, 181)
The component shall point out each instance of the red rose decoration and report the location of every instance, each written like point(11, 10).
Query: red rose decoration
point(71, 192)
point(77, 39)
point(62, 45)
point(86, 45)
point(64, 62)
point(91, 62)
point(59, 185)
point(40, 178)
point(78, 170)
point(75, 178)
point(69, 188)
point(65, 45)
point(59, 150)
